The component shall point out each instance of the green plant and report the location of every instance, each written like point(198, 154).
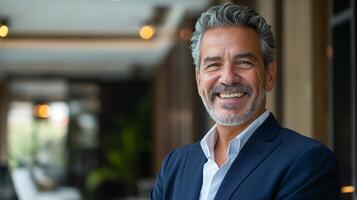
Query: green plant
point(122, 150)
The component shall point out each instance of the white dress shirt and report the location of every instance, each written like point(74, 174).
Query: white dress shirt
point(213, 174)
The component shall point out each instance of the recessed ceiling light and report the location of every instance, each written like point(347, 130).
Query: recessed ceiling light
point(4, 30)
point(147, 32)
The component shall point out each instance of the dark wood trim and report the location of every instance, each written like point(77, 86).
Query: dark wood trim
point(3, 121)
point(354, 96)
point(319, 70)
point(279, 87)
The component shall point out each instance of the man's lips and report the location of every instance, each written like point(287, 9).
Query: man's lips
point(231, 95)
point(229, 98)
point(227, 92)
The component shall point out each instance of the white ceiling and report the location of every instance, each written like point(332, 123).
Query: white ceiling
point(86, 37)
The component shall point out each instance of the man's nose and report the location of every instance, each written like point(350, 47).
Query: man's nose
point(229, 75)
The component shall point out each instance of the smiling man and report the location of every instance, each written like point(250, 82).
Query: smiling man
point(247, 155)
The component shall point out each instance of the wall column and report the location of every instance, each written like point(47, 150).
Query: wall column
point(3, 122)
point(297, 66)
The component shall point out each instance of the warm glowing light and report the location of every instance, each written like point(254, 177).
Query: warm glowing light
point(42, 111)
point(185, 34)
point(147, 32)
point(329, 51)
point(4, 31)
point(347, 189)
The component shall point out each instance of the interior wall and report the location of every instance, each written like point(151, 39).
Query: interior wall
point(297, 66)
point(174, 101)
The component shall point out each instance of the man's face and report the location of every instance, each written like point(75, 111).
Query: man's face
point(231, 80)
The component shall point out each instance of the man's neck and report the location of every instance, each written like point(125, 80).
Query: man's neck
point(227, 134)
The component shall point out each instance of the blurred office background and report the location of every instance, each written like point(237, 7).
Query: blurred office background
point(94, 93)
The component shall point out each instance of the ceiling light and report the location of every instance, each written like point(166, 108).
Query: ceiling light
point(4, 31)
point(147, 32)
point(4, 28)
point(42, 111)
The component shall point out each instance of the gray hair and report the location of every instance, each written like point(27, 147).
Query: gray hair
point(230, 14)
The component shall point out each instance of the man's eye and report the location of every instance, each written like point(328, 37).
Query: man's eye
point(245, 64)
point(212, 66)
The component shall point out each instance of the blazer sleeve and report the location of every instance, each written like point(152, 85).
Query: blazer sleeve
point(313, 175)
point(158, 190)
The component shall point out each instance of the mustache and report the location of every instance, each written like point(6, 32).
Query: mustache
point(237, 87)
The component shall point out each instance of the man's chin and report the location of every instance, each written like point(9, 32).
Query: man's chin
point(230, 121)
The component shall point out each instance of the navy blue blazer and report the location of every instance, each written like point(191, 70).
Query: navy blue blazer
point(275, 163)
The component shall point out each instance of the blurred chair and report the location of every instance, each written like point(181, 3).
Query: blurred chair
point(7, 191)
point(26, 188)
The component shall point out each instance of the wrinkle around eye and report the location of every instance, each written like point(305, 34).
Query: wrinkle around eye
point(212, 67)
point(246, 64)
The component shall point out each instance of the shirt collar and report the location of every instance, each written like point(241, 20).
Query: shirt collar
point(208, 142)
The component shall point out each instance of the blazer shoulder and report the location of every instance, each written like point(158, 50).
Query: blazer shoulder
point(310, 170)
point(186, 150)
point(289, 138)
point(295, 140)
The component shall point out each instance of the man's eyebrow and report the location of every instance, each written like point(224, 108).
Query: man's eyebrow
point(245, 55)
point(211, 59)
point(236, 57)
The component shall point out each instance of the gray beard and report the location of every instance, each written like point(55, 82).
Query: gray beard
point(232, 119)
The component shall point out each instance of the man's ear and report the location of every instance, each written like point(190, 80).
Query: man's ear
point(198, 80)
point(270, 78)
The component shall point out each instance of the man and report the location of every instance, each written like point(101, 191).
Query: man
point(247, 155)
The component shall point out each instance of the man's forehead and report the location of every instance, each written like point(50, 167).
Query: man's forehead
point(229, 29)
point(236, 41)
point(233, 36)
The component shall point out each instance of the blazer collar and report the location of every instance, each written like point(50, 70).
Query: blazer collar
point(258, 147)
point(192, 174)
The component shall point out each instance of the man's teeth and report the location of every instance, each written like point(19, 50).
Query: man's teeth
point(231, 95)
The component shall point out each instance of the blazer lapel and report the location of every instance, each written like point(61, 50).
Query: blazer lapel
point(258, 147)
point(192, 177)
